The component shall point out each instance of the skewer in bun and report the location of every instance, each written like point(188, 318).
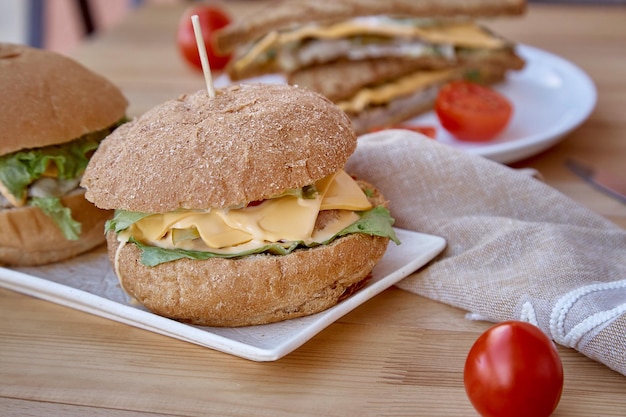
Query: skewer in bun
point(235, 210)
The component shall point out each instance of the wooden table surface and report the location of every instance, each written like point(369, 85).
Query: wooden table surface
point(398, 354)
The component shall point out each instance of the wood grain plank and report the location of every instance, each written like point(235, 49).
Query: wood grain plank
point(351, 368)
point(397, 355)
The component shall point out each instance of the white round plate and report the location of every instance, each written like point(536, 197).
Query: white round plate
point(551, 97)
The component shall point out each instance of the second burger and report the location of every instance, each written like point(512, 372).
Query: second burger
point(53, 114)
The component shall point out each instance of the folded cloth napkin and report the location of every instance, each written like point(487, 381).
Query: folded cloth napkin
point(516, 248)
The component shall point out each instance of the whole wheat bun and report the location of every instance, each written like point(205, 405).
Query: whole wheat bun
point(284, 14)
point(250, 142)
point(29, 237)
point(251, 290)
point(47, 99)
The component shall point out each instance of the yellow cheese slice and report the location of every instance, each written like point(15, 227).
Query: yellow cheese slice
point(155, 227)
point(462, 34)
point(466, 34)
point(384, 93)
point(213, 231)
point(286, 218)
point(344, 193)
point(266, 43)
point(344, 219)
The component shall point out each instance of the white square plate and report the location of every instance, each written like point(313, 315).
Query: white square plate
point(88, 283)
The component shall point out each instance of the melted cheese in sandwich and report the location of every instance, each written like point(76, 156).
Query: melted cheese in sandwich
point(462, 34)
point(287, 218)
point(384, 93)
point(466, 34)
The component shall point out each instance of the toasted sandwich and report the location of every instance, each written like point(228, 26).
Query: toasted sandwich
point(382, 62)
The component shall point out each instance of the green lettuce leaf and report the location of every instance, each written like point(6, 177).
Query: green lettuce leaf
point(122, 220)
point(153, 255)
point(62, 216)
point(374, 222)
point(20, 169)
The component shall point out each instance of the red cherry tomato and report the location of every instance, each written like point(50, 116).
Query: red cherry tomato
point(513, 370)
point(429, 131)
point(211, 19)
point(472, 112)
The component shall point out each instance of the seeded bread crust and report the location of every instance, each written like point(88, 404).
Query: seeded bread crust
point(255, 289)
point(250, 142)
point(49, 99)
point(258, 289)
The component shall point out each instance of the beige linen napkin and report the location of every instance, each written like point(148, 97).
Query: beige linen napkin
point(516, 248)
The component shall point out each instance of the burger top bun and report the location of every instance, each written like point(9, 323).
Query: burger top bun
point(250, 142)
point(47, 99)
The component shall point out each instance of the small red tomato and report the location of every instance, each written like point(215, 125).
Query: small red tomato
point(211, 18)
point(429, 131)
point(472, 112)
point(513, 370)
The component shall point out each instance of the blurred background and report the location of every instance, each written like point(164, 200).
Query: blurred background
point(59, 25)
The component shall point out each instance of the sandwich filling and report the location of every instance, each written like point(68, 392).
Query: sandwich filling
point(332, 207)
point(399, 99)
point(402, 86)
point(363, 38)
point(40, 177)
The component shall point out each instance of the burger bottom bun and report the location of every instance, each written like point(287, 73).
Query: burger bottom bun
point(28, 237)
point(256, 289)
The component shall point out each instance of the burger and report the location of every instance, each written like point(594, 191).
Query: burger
point(235, 210)
point(54, 113)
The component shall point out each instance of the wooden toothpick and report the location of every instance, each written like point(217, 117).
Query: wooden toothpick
point(204, 59)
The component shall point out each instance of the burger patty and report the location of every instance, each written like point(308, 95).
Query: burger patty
point(325, 217)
